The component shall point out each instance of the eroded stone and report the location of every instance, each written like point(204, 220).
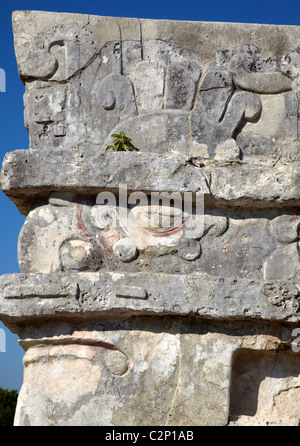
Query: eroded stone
point(158, 286)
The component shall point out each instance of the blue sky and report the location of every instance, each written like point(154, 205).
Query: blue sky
point(12, 130)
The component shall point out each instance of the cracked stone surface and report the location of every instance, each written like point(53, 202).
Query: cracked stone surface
point(159, 286)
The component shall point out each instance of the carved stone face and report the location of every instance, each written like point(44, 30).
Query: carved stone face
point(76, 235)
point(216, 115)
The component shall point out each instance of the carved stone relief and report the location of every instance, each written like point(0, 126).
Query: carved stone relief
point(156, 312)
point(165, 100)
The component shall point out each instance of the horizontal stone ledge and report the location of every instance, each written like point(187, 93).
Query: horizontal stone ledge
point(89, 295)
point(29, 176)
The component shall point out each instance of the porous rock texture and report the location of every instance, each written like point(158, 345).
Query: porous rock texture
point(158, 286)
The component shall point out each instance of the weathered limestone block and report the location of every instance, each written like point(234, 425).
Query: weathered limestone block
point(161, 285)
point(274, 379)
point(219, 112)
point(144, 371)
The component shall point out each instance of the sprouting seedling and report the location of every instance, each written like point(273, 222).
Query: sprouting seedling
point(121, 143)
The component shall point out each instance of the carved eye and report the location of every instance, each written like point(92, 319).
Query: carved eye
point(159, 219)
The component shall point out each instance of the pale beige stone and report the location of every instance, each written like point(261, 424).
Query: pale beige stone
point(159, 285)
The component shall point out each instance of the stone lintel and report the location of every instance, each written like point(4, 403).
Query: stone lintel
point(27, 178)
point(92, 295)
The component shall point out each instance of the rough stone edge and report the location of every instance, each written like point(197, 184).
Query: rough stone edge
point(215, 35)
point(25, 181)
point(26, 297)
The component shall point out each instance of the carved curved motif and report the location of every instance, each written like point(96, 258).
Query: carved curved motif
point(58, 55)
point(64, 236)
point(137, 301)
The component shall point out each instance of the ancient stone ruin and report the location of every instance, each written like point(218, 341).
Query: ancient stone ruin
point(159, 285)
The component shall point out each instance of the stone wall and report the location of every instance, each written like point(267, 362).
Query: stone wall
point(159, 285)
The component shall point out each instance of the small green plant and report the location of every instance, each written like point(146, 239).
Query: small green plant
point(121, 143)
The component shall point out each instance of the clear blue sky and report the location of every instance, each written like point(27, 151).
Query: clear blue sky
point(14, 135)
